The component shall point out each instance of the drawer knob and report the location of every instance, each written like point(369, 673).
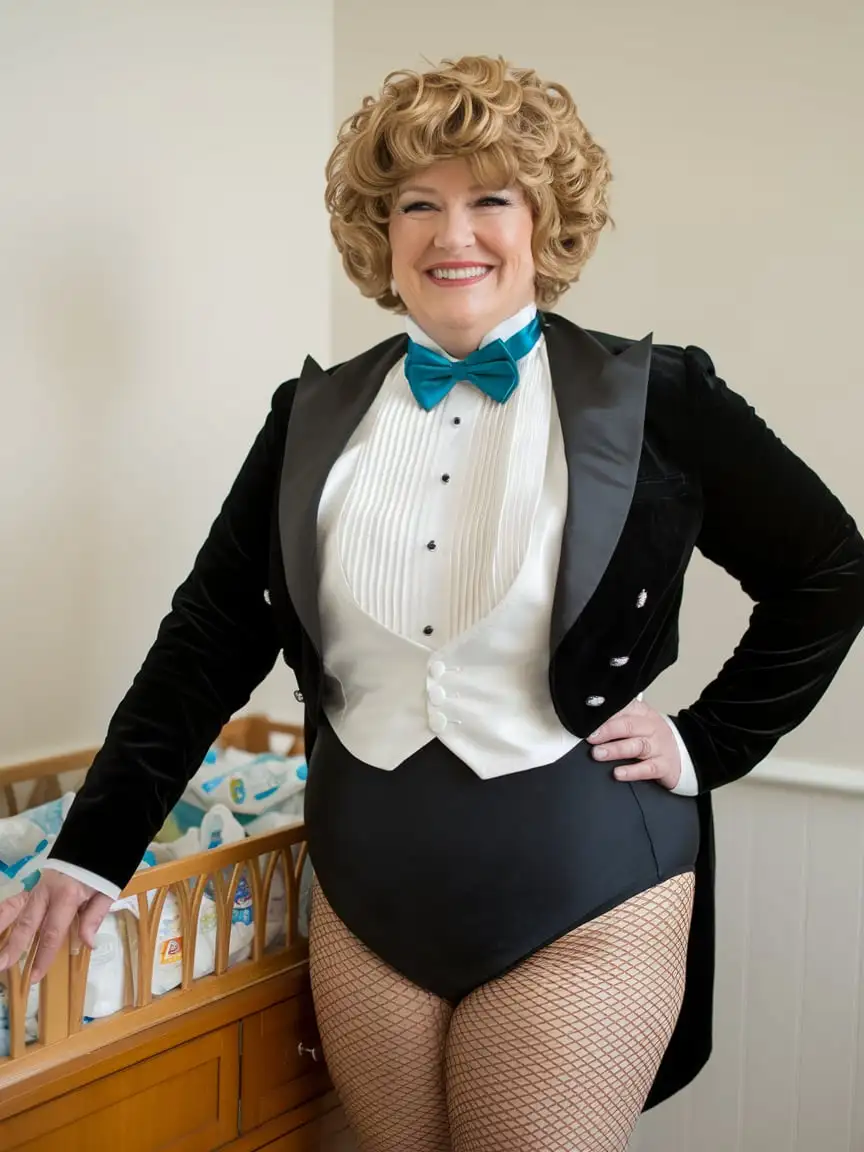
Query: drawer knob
point(314, 1052)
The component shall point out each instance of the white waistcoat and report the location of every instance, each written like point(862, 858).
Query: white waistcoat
point(484, 690)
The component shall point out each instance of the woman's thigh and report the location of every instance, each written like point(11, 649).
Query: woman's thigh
point(383, 1040)
point(560, 1052)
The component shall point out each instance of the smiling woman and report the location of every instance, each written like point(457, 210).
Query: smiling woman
point(470, 543)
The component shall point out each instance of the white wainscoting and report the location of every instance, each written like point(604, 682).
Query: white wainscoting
point(787, 1074)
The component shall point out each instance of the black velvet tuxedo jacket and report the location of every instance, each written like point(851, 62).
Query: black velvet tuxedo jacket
point(662, 457)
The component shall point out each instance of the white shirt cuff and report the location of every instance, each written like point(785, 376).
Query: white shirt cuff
point(688, 784)
point(90, 878)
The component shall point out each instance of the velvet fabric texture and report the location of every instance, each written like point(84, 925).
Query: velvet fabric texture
point(704, 471)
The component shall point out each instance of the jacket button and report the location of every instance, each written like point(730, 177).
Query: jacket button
point(595, 701)
point(298, 696)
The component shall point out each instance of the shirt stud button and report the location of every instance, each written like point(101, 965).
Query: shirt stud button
point(298, 696)
point(595, 701)
point(457, 420)
point(445, 479)
point(431, 545)
point(428, 630)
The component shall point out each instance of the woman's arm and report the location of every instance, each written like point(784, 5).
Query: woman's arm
point(773, 525)
point(214, 647)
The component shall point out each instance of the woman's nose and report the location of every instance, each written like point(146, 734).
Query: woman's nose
point(455, 230)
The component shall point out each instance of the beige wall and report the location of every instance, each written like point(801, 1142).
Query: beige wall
point(155, 288)
point(735, 136)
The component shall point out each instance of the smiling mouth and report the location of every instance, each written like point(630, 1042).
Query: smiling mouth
point(458, 277)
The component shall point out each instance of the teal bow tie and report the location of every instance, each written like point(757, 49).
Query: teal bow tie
point(492, 369)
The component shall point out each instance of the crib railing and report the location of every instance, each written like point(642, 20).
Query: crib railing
point(216, 873)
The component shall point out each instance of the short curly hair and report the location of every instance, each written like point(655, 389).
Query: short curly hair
point(512, 127)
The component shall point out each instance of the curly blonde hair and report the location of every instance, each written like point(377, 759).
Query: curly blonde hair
point(513, 129)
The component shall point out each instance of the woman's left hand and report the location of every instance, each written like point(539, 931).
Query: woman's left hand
point(637, 732)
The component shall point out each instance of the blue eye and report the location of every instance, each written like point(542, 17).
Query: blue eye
point(414, 206)
point(495, 201)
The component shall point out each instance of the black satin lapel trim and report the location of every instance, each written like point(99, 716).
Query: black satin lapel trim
point(326, 410)
point(601, 403)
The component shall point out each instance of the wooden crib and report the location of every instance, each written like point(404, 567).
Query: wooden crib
point(229, 1060)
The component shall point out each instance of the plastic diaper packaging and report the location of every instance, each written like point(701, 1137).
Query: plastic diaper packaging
point(26, 839)
point(103, 994)
point(31, 1018)
point(246, 783)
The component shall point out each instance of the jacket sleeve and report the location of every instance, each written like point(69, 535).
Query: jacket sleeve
point(772, 524)
point(213, 648)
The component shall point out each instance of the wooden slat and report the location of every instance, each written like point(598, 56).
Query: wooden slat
point(54, 998)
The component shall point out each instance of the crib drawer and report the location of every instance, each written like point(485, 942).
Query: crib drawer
point(181, 1100)
point(279, 1069)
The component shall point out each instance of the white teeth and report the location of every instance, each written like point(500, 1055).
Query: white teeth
point(459, 273)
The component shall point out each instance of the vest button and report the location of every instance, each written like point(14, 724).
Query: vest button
point(595, 701)
point(437, 722)
point(437, 669)
point(437, 695)
point(619, 661)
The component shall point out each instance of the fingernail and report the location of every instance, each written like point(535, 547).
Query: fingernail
point(620, 773)
point(594, 735)
point(600, 753)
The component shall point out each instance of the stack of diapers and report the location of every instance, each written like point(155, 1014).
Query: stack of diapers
point(249, 785)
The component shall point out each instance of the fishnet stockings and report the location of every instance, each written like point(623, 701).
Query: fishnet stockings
point(558, 1054)
point(383, 1040)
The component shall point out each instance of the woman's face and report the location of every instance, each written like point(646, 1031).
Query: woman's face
point(462, 258)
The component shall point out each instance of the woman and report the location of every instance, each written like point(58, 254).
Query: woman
point(470, 545)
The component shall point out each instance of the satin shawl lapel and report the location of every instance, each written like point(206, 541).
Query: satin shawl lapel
point(327, 409)
point(601, 403)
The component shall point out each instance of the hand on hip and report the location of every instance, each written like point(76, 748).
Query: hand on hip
point(639, 733)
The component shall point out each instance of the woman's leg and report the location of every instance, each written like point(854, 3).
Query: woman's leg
point(383, 1041)
point(560, 1052)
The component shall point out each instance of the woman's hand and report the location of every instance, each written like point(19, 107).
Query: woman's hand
point(637, 732)
point(49, 910)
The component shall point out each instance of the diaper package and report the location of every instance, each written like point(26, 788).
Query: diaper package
point(248, 785)
point(26, 839)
